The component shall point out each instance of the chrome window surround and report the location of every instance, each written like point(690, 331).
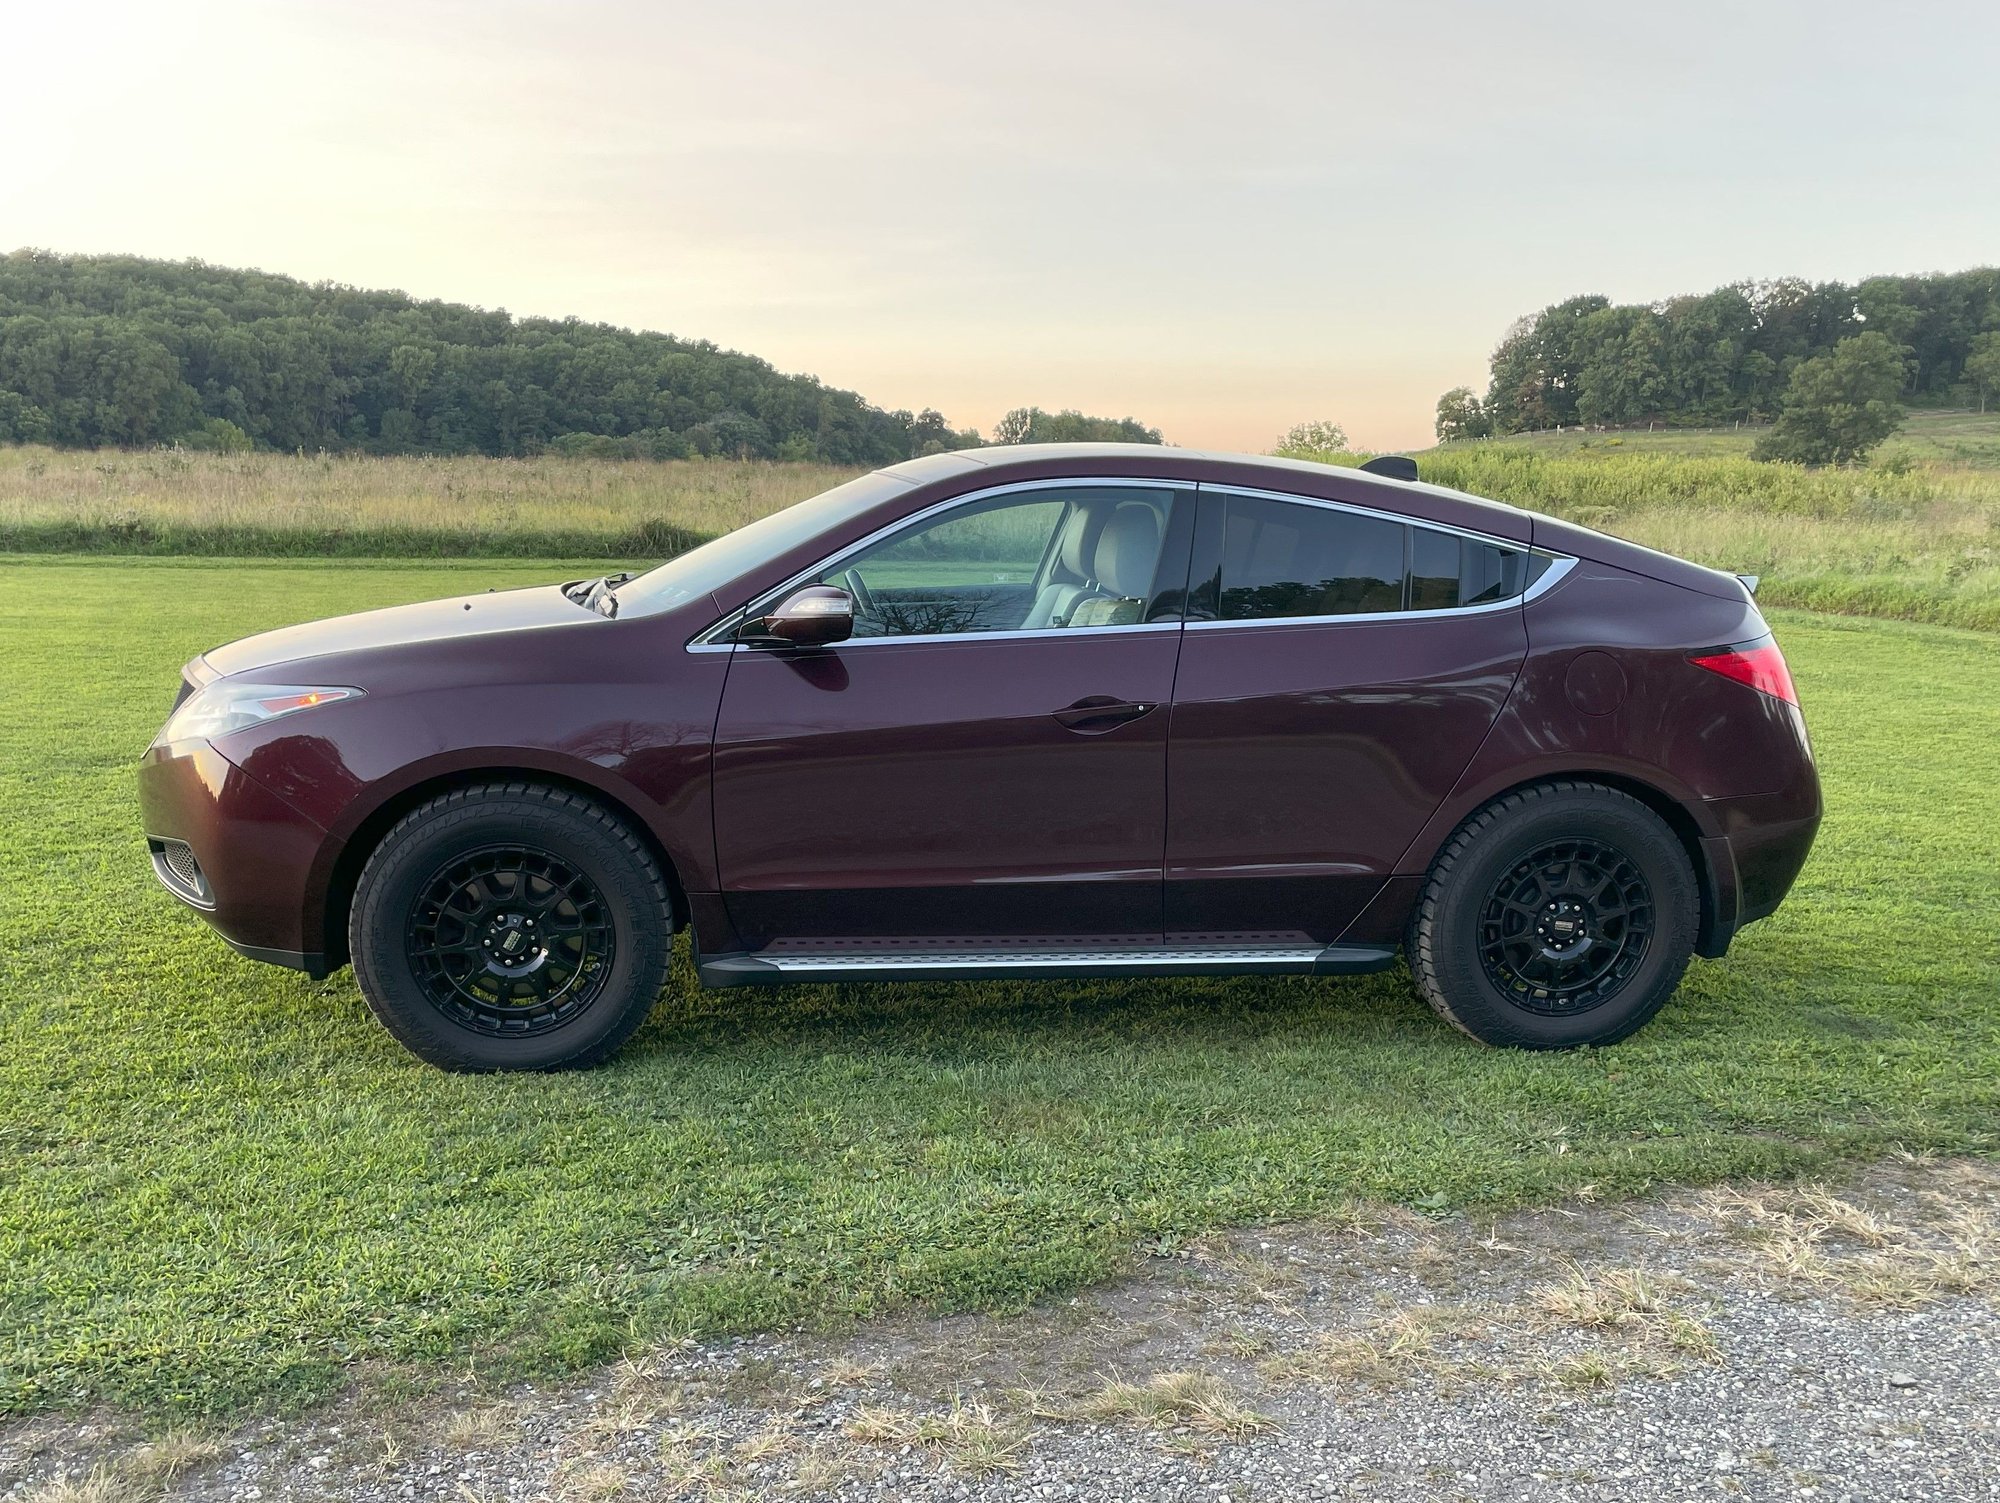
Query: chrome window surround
point(712, 639)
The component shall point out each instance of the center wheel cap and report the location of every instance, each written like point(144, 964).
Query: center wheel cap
point(511, 944)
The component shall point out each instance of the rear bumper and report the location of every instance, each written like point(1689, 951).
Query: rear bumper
point(1764, 841)
point(254, 850)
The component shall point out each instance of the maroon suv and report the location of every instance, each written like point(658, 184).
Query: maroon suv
point(1051, 711)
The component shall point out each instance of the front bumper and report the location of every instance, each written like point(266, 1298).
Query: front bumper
point(254, 852)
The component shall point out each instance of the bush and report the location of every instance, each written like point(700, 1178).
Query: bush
point(217, 436)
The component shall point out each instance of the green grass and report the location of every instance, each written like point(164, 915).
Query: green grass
point(1919, 545)
point(222, 1184)
point(1913, 535)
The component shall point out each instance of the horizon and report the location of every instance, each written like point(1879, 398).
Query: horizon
point(1154, 216)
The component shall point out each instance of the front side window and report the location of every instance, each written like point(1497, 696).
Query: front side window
point(1036, 560)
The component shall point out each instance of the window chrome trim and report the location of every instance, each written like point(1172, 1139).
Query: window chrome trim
point(1559, 566)
point(1376, 513)
point(709, 638)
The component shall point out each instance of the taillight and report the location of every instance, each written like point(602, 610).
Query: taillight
point(1758, 664)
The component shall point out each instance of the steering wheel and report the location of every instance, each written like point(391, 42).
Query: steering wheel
point(851, 581)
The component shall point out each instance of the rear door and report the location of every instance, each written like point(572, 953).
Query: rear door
point(1349, 666)
point(986, 758)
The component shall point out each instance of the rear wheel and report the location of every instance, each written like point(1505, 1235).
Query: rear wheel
point(511, 927)
point(1560, 915)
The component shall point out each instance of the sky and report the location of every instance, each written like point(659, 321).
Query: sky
point(1222, 218)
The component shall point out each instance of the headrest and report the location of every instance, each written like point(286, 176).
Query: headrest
point(1128, 550)
point(1079, 540)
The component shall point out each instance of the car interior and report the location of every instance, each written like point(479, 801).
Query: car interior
point(1084, 560)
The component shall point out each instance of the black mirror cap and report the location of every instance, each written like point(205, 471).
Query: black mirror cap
point(812, 616)
point(1394, 466)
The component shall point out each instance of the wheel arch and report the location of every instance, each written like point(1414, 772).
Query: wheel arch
point(344, 868)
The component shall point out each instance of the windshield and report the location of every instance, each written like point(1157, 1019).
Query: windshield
point(714, 564)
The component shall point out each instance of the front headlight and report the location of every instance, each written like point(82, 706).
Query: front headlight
point(223, 706)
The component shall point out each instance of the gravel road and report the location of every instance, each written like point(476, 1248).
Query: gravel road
point(1832, 1342)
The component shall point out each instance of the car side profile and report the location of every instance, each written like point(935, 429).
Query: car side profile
point(1062, 710)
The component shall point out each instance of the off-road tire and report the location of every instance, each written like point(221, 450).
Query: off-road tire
point(1444, 943)
point(636, 911)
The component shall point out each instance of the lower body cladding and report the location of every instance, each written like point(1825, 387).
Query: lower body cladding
point(231, 849)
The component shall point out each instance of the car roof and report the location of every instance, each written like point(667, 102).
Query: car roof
point(1217, 467)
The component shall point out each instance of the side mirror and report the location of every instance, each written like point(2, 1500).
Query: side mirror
point(811, 616)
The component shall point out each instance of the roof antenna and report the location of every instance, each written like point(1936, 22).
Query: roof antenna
point(1395, 466)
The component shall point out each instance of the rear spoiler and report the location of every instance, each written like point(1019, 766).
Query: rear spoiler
point(1749, 582)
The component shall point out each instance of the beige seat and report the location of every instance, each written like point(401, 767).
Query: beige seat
point(1076, 557)
point(1123, 564)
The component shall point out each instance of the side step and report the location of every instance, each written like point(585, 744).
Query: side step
point(777, 969)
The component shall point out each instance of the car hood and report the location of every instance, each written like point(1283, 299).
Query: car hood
point(404, 625)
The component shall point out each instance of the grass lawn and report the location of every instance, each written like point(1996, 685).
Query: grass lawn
point(221, 1184)
point(1953, 437)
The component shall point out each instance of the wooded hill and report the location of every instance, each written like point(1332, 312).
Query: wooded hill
point(116, 350)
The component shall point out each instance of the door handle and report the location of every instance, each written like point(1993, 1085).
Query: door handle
point(1098, 713)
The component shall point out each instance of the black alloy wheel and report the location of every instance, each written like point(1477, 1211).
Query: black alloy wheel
point(1566, 927)
point(510, 940)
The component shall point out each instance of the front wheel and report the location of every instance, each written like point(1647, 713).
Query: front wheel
point(1560, 915)
point(511, 927)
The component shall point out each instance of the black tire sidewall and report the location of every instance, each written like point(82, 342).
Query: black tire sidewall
point(1476, 1003)
point(642, 932)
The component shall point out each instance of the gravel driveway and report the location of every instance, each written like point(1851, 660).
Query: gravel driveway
point(1755, 1342)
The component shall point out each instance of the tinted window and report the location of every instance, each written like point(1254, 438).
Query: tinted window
point(1447, 570)
point(1434, 569)
point(1492, 573)
point(1280, 558)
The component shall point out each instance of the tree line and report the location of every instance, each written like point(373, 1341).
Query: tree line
point(1737, 353)
point(118, 350)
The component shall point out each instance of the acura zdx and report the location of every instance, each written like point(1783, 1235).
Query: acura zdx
point(1065, 710)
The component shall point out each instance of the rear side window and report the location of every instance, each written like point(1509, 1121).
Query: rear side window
point(1283, 559)
point(1291, 559)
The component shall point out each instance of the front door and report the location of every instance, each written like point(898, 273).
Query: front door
point(986, 758)
point(1349, 667)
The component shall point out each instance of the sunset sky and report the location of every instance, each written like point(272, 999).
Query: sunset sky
point(1222, 219)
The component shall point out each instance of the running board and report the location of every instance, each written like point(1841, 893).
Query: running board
point(768, 969)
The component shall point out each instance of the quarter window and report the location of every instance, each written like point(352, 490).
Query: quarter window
point(1447, 570)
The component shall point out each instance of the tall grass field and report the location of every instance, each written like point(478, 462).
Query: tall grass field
point(1914, 536)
